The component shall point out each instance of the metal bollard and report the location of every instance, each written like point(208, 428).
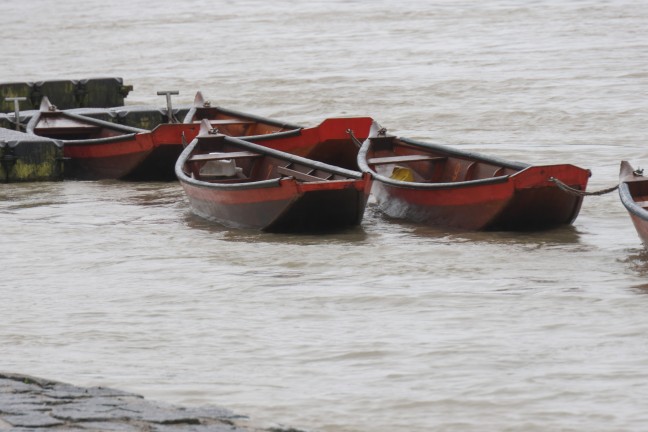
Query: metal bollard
point(168, 94)
point(16, 101)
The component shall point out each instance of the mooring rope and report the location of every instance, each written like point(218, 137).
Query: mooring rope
point(355, 140)
point(578, 192)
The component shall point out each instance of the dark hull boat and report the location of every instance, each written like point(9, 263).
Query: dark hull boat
point(94, 149)
point(450, 188)
point(633, 190)
point(243, 185)
point(167, 142)
point(168, 138)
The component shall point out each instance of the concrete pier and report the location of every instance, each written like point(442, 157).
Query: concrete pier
point(27, 158)
point(29, 403)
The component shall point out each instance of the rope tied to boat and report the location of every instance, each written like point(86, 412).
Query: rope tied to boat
point(571, 190)
point(355, 140)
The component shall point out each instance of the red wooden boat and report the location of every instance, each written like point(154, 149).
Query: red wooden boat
point(95, 149)
point(450, 188)
point(633, 190)
point(244, 185)
point(168, 138)
point(328, 142)
point(98, 149)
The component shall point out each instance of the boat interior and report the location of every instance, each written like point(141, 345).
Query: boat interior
point(638, 189)
point(338, 152)
point(227, 163)
point(231, 125)
point(404, 162)
point(52, 123)
point(59, 126)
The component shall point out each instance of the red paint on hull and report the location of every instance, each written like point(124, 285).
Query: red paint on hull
point(472, 209)
point(106, 160)
point(537, 203)
point(167, 142)
point(288, 206)
point(448, 188)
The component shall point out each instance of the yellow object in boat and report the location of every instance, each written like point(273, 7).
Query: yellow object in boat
point(402, 174)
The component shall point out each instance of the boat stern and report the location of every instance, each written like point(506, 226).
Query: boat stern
point(541, 201)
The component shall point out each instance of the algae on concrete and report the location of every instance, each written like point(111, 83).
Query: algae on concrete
point(18, 89)
point(26, 158)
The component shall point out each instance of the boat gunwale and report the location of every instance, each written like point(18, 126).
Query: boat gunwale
point(363, 164)
point(274, 135)
point(352, 176)
point(129, 132)
point(104, 140)
point(103, 123)
point(440, 186)
point(294, 158)
point(189, 117)
point(466, 154)
point(261, 184)
point(627, 199)
point(630, 204)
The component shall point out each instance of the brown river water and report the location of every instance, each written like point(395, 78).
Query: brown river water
point(387, 326)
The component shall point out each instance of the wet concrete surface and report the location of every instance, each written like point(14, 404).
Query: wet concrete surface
point(29, 403)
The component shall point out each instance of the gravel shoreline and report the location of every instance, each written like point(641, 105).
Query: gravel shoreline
point(30, 403)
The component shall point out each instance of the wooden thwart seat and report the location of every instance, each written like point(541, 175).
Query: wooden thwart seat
point(642, 203)
point(223, 156)
point(298, 174)
point(404, 158)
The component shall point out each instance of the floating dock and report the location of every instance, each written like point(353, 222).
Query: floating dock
point(66, 94)
point(25, 157)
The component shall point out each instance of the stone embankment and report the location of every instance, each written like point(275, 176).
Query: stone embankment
point(28, 403)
